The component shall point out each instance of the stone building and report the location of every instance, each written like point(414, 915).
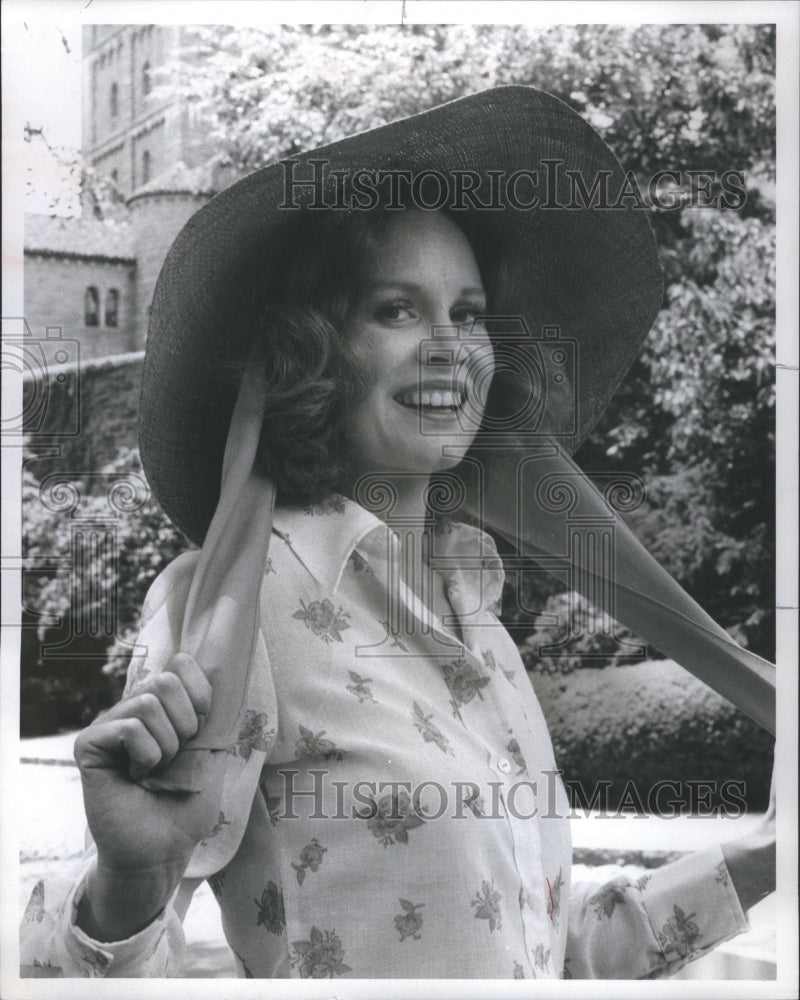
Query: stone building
point(80, 275)
point(93, 278)
point(131, 134)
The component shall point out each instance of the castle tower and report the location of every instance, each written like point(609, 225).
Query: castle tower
point(143, 141)
point(131, 134)
point(158, 212)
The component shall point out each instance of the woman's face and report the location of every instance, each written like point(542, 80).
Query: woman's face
point(427, 387)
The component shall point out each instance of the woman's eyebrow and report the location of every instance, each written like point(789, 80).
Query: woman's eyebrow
point(410, 286)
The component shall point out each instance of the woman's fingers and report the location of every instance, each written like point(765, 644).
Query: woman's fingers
point(184, 692)
point(150, 726)
point(165, 709)
point(195, 682)
point(146, 711)
point(102, 744)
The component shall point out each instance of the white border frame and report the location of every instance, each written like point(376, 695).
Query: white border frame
point(786, 15)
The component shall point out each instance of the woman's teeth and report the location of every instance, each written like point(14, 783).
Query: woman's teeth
point(442, 399)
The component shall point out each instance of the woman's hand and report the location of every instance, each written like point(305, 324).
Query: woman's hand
point(751, 859)
point(144, 839)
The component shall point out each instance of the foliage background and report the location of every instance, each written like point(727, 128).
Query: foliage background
point(695, 416)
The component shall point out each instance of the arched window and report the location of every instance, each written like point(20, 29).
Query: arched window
point(112, 307)
point(91, 306)
point(147, 84)
point(145, 167)
point(114, 100)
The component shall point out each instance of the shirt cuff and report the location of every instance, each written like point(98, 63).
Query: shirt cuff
point(692, 907)
point(143, 954)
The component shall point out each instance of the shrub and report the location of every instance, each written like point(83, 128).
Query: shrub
point(649, 722)
point(68, 604)
point(581, 643)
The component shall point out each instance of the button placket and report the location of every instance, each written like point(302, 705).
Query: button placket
point(528, 861)
point(489, 724)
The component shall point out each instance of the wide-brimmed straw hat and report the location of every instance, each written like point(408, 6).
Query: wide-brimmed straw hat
point(586, 258)
point(590, 288)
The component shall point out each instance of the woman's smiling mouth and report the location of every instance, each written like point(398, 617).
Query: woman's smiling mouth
point(433, 397)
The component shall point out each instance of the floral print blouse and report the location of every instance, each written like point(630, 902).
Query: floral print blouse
point(411, 821)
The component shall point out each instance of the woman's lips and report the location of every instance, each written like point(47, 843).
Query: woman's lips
point(431, 399)
point(443, 395)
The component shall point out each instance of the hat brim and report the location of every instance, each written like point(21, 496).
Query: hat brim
point(598, 266)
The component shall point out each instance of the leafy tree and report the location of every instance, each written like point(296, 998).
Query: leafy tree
point(80, 183)
point(676, 96)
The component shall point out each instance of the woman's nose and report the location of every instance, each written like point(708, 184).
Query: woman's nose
point(442, 328)
point(438, 355)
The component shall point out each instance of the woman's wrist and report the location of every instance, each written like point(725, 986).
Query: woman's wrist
point(118, 904)
point(751, 865)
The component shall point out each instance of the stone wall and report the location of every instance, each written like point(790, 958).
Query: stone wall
point(91, 412)
point(55, 285)
point(56, 281)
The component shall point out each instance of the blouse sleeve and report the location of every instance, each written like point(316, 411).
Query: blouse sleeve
point(651, 927)
point(52, 944)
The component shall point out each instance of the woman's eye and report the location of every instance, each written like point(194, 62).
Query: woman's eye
point(467, 312)
point(393, 312)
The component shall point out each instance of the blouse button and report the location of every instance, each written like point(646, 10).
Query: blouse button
point(504, 765)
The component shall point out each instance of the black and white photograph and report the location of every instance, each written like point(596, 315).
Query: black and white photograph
point(400, 490)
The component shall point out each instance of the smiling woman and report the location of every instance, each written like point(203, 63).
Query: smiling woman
point(376, 344)
point(329, 723)
point(415, 417)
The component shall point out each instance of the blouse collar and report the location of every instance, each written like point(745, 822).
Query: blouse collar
point(325, 535)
